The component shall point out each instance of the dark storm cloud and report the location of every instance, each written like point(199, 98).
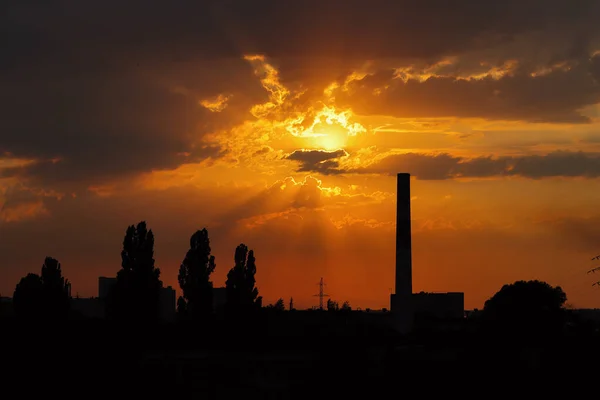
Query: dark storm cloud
point(324, 162)
point(353, 29)
point(445, 166)
point(98, 128)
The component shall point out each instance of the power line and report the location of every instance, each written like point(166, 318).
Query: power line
point(594, 270)
point(321, 293)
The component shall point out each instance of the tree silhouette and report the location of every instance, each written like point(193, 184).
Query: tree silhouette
point(43, 296)
point(332, 305)
point(346, 306)
point(181, 307)
point(242, 295)
point(55, 288)
point(194, 277)
point(279, 305)
point(291, 304)
point(528, 306)
point(135, 296)
point(27, 298)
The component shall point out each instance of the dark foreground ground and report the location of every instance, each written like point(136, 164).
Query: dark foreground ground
point(314, 357)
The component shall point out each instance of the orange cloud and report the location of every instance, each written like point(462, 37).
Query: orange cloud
point(23, 211)
point(216, 104)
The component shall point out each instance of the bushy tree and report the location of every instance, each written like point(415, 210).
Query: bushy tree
point(43, 296)
point(194, 277)
point(242, 294)
point(526, 306)
point(279, 305)
point(346, 306)
point(136, 294)
point(332, 305)
point(27, 298)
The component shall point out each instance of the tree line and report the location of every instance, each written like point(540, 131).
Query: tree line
point(135, 295)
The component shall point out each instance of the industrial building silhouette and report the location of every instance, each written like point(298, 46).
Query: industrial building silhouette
point(406, 305)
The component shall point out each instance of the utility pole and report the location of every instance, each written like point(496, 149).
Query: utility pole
point(321, 293)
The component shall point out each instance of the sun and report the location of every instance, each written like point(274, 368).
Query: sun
point(330, 129)
point(329, 141)
point(330, 137)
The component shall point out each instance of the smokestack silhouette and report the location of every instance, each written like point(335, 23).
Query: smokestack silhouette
point(403, 236)
point(401, 301)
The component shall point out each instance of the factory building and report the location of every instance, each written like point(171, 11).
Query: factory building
point(439, 306)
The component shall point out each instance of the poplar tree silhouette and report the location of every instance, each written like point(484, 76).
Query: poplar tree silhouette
point(54, 286)
point(194, 278)
point(135, 296)
point(242, 295)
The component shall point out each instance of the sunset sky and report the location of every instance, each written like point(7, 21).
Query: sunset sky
point(282, 125)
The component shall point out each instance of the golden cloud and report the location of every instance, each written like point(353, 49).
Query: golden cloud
point(216, 104)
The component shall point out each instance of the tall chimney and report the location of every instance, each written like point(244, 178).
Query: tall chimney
point(403, 236)
point(401, 301)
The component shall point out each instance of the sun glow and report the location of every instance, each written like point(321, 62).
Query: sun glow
point(331, 139)
point(329, 130)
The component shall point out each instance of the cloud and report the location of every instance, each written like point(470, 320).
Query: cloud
point(320, 161)
point(95, 128)
point(510, 90)
point(22, 211)
point(288, 197)
point(19, 202)
point(215, 29)
point(144, 92)
point(446, 166)
point(216, 104)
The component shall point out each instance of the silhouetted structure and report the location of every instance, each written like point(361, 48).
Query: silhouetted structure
point(6, 307)
point(441, 306)
point(105, 286)
point(90, 307)
point(321, 295)
point(404, 304)
point(401, 300)
point(167, 304)
point(219, 299)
